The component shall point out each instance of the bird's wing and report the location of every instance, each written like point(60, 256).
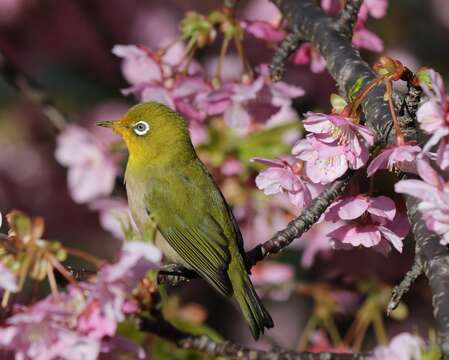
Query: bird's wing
point(189, 214)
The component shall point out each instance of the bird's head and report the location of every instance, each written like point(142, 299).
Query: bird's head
point(152, 131)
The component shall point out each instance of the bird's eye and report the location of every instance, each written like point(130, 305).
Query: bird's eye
point(141, 128)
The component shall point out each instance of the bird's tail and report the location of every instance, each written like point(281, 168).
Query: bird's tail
point(252, 308)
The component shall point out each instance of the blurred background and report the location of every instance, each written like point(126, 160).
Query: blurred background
point(66, 46)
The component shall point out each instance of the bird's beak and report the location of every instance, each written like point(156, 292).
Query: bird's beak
point(108, 124)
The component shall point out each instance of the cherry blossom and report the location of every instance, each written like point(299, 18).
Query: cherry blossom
point(316, 240)
point(115, 216)
point(139, 65)
point(92, 167)
point(433, 116)
point(263, 30)
point(400, 157)
point(334, 144)
point(375, 8)
point(370, 222)
point(8, 280)
point(307, 54)
point(323, 163)
point(285, 175)
point(433, 192)
point(84, 319)
point(403, 346)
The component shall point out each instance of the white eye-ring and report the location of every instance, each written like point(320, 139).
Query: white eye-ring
point(141, 128)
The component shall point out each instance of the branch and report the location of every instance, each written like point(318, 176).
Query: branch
point(282, 53)
point(301, 224)
point(400, 290)
point(160, 327)
point(32, 91)
point(435, 260)
point(346, 66)
point(348, 17)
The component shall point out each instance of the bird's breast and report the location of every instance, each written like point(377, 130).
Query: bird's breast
point(141, 213)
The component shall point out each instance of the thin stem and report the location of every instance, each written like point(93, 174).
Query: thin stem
point(303, 340)
point(223, 51)
point(5, 298)
point(360, 97)
point(333, 331)
point(83, 255)
point(358, 342)
point(58, 266)
point(399, 136)
point(52, 281)
point(246, 69)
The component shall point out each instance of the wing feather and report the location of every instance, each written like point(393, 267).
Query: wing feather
point(191, 229)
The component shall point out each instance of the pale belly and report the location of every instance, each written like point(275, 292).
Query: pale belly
point(144, 222)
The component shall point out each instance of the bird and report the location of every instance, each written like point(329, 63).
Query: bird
point(169, 187)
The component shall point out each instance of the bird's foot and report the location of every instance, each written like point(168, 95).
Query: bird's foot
point(174, 274)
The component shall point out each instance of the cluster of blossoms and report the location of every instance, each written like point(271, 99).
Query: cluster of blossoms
point(335, 144)
point(242, 104)
point(81, 323)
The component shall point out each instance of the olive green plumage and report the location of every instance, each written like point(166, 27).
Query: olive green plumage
point(167, 184)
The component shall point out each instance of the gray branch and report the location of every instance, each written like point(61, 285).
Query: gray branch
point(346, 66)
point(156, 324)
point(282, 53)
point(348, 17)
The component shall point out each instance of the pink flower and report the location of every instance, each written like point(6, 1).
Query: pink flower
point(92, 168)
point(80, 324)
point(365, 39)
point(434, 195)
point(307, 54)
point(115, 216)
point(268, 276)
point(376, 8)
point(45, 331)
point(334, 144)
point(272, 273)
point(370, 222)
point(362, 38)
point(316, 240)
point(341, 131)
point(108, 296)
point(8, 280)
point(231, 167)
point(401, 157)
point(259, 100)
point(323, 163)
point(263, 30)
point(285, 176)
point(433, 117)
point(188, 96)
point(402, 347)
point(139, 66)
point(237, 115)
point(261, 10)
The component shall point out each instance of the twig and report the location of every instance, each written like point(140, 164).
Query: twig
point(348, 17)
point(159, 326)
point(301, 224)
point(400, 290)
point(282, 53)
point(31, 91)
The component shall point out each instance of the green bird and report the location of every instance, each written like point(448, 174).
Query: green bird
point(168, 185)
